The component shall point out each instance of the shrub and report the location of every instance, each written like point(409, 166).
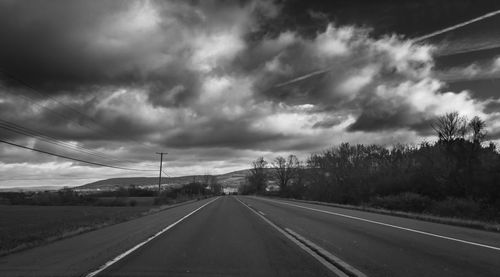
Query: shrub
point(163, 200)
point(407, 202)
point(113, 202)
point(456, 207)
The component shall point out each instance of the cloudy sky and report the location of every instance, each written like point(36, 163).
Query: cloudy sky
point(218, 83)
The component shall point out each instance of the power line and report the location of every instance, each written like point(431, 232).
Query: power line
point(62, 116)
point(31, 88)
point(12, 127)
point(165, 173)
point(73, 159)
point(161, 164)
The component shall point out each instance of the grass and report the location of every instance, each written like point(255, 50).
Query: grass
point(128, 201)
point(26, 226)
point(23, 227)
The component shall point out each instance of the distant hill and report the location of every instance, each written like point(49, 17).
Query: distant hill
point(232, 179)
point(37, 188)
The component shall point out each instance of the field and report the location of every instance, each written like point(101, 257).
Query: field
point(129, 201)
point(26, 226)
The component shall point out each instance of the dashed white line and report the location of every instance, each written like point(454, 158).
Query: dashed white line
point(388, 225)
point(126, 253)
point(303, 245)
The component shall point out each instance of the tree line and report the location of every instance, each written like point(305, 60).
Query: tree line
point(456, 176)
point(207, 186)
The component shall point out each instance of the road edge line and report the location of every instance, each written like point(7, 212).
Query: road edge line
point(386, 224)
point(320, 258)
point(137, 246)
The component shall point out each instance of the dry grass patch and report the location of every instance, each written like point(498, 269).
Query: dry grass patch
point(25, 226)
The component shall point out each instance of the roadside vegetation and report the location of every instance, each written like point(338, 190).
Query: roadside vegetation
point(129, 196)
point(26, 226)
point(456, 177)
point(33, 218)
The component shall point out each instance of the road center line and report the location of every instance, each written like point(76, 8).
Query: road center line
point(386, 224)
point(126, 253)
point(315, 255)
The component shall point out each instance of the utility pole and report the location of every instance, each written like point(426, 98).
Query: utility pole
point(161, 163)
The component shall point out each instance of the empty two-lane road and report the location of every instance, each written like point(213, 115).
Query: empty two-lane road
point(223, 239)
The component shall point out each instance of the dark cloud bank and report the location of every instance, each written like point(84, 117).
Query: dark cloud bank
point(205, 75)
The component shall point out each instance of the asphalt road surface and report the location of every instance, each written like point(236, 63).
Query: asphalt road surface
point(223, 239)
point(381, 245)
point(252, 236)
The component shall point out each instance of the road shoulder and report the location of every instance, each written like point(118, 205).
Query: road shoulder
point(78, 255)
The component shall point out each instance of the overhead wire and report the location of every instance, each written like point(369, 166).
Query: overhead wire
point(31, 133)
point(12, 127)
point(88, 118)
point(71, 158)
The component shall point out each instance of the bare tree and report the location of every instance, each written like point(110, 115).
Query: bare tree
point(206, 178)
point(257, 176)
point(477, 126)
point(285, 170)
point(450, 127)
point(210, 181)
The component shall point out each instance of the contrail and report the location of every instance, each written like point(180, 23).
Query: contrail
point(456, 26)
point(424, 37)
point(303, 77)
point(492, 45)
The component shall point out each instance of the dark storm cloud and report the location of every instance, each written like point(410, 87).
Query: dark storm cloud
point(329, 122)
point(81, 49)
point(408, 17)
point(223, 134)
point(493, 135)
point(76, 47)
point(59, 42)
point(63, 46)
point(465, 59)
point(374, 79)
point(175, 49)
point(44, 42)
point(493, 107)
point(71, 121)
point(391, 119)
point(217, 83)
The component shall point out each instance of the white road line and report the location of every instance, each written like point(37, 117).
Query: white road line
point(388, 225)
point(261, 213)
point(333, 259)
point(126, 253)
point(320, 259)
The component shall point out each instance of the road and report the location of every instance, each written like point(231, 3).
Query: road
point(385, 250)
point(253, 236)
point(223, 239)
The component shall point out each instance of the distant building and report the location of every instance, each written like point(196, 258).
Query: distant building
point(230, 190)
point(272, 188)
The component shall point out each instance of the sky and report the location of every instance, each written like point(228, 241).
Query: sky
point(217, 84)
